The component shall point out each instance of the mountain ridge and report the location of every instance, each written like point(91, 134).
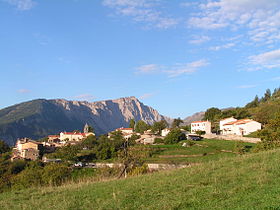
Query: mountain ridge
point(41, 117)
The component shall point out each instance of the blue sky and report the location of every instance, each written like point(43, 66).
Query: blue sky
point(177, 56)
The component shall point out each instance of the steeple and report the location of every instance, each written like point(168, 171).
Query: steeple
point(86, 128)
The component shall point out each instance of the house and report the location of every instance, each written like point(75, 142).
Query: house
point(239, 127)
point(125, 130)
point(27, 149)
point(72, 136)
point(54, 138)
point(75, 136)
point(225, 121)
point(201, 126)
point(146, 139)
point(165, 131)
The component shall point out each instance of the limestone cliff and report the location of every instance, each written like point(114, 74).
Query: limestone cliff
point(39, 118)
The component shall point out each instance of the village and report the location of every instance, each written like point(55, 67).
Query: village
point(230, 129)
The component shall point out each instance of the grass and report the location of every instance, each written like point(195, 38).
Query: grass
point(250, 181)
point(206, 150)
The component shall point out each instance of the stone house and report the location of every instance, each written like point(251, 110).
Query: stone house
point(27, 149)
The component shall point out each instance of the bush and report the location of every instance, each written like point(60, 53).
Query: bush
point(139, 170)
point(159, 141)
point(200, 132)
point(17, 166)
point(55, 174)
point(29, 177)
point(4, 147)
point(270, 135)
point(174, 136)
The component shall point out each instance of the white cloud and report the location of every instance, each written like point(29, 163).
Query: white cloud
point(189, 4)
point(23, 91)
point(146, 95)
point(260, 18)
point(173, 70)
point(267, 60)
point(149, 68)
point(224, 46)
point(186, 68)
point(200, 39)
point(41, 38)
point(142, 11)
point(22, 4)
point(246, 86)
point(85, 97)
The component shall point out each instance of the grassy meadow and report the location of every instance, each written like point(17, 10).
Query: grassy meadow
point(250, 181)
point(201, 151)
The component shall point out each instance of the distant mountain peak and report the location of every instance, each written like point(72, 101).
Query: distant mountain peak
point(44, 117)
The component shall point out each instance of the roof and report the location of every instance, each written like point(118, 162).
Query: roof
point(239, 122)
point(74, 133)
point(34, 142)
point(26, 140)
point(199, 121)
point(125, 129)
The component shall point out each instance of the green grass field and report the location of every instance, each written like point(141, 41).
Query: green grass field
point(250, 181)
point(202, 151)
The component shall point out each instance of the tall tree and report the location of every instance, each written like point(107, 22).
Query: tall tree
point(141, 126)
point(4, 147)
point(253, 103)
point(212, 114)
point(176, 122)
point(267, 95)
point(132, 123)
point(159, 126)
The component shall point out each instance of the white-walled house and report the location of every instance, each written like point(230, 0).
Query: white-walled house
point(72, 136)
point(239, 127)
point(165, 131)
point(225, 121)
point(201, 126)
point(125, 131)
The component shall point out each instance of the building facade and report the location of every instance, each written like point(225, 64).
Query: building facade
point(27, 149)
point(201, 126)
point(125, 130)
point(165, 132)
point(232, 126)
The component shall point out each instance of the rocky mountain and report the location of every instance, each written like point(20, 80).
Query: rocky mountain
point(195, 117)
point(39, 118)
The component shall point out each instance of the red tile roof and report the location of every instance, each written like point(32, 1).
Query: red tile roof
point(125, 129)
point(239, 122)
point(72, 133)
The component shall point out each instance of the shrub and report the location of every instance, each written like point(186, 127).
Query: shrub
point(159, 140)
point(174, 136)
point(4, 147)
point(139, 170)
point(29, 177)
point(17, 166)
point(55, 174)
point(200, 132)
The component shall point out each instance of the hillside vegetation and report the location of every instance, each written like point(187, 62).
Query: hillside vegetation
point(261, 109)
point(245, 182)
